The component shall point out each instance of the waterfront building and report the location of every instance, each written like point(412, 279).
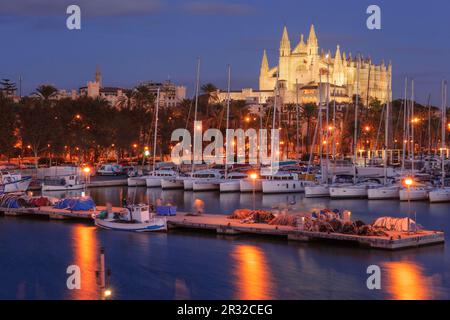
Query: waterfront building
point(303, 69)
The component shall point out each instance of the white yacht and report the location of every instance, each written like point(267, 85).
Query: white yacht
point(359, 190)
point(63, 183)
point(208, 176)
point(384, 192)
point(440, 195)
point(153, 180)
point(284, 182)
point(233, 182)
point(416, 193)
point(317, 191)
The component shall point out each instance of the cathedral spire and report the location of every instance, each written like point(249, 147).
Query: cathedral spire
point(264, 62)
point(285, 44)
point(98, 75)
point(337, 57)
point(312, 39)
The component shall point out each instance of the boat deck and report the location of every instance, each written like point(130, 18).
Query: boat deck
point(221, 224)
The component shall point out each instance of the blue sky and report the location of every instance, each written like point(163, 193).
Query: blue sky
point(140, 40)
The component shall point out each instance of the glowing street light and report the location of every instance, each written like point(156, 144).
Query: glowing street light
point(107, 293)
point(409, 182)
point(254, 176)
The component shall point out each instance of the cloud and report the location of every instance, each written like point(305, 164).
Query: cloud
point(88, 7)
point(215, 7)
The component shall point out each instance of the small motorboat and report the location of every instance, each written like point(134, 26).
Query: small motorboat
point(13, 182)
point(63, 183)
point(136, 218)
point(317, 191)
point(384, 192)
point(440, 195)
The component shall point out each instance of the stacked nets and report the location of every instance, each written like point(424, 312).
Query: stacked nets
point(75, 204)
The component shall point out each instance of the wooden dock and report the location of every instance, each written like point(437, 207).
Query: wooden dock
point(220, 224)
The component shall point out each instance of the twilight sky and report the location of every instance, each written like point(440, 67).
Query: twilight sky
point(140, 40)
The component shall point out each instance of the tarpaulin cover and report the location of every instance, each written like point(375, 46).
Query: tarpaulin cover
point(76, 204)
point(166, 210)
point(395, 224)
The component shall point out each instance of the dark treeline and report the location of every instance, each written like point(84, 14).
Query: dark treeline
point(87, 130)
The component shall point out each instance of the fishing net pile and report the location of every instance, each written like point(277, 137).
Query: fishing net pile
point(252, 216)
point(328, 221)
point(396, 224)
point(21, 200)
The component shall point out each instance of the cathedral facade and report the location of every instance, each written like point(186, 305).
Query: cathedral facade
point(306, 74)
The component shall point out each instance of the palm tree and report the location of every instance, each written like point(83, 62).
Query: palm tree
point(210, 92)
point(309, 112)
point(45, 91)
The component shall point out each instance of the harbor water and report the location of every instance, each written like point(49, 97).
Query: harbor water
point(36, 253)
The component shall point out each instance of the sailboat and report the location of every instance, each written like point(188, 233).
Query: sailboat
point(416, 192)
point(386, 191)
point(356, 190)
point(321, 189)
point(442, 194)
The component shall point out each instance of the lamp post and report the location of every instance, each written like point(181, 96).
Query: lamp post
point(86, 171)
point(254, 176)
point(409, 182)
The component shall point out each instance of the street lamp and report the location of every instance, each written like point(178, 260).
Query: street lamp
point(86, 171)
point(254, 176)
point(409, 182)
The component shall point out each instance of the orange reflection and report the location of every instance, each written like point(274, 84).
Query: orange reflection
point(405, 281)
point(252, 274)
point(85, 249)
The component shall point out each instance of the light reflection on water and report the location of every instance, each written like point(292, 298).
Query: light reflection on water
point(252, 273)
point(205, 266)
point(85, 248)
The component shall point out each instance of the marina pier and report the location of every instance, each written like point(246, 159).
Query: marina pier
point(221, 224)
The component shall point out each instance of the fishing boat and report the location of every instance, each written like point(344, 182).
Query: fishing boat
point(63, 183)
point(136, 218)
point(13, 182)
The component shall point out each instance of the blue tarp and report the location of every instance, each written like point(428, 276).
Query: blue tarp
point(166, 210)
point(76, 204)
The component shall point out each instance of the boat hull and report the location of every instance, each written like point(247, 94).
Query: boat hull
point(413, 195)
point(440, 195)
point(348, 192)
point(136, 182)
point(317, 191)
point(63, 188)
point(230, 186)
point(188, 184)
point(284, 186)
point(205, 185)
point(247, 185)
point(383, 193)
point(17, 186)
point(172, 184)
point(153, 182)
point(156, 224)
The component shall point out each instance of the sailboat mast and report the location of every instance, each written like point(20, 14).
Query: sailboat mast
point(156, 128)
point(405, 128)
point(412, 126)
point(197, 85)
point(228, 118)
point(386, 134)
point(272, 150)
point(334, 130)
point(355, 137)
point(297, 145)
point(444, 120)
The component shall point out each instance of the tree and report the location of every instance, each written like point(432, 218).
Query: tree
point(8, 88)
point(8, 122)
point(46, 91)
point(35, 126)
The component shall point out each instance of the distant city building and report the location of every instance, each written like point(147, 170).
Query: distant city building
point(170, 94)
point(302, 71)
